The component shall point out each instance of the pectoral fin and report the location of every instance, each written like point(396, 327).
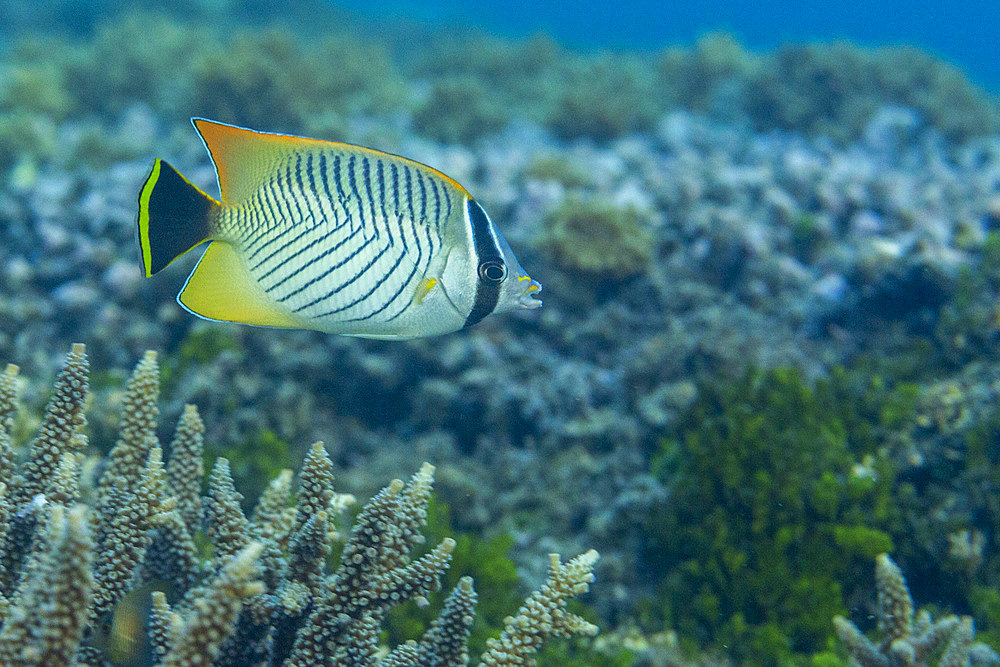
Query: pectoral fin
point(425, 286)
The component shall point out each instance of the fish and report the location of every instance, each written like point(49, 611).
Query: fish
point(122, 634)
point(328, 236)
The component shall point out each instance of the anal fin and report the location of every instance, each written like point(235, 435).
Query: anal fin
point(221, 288)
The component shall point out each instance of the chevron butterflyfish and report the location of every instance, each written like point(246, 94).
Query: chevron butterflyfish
point(314, 234)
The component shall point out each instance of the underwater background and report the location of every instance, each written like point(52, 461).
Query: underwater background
point(770, 246)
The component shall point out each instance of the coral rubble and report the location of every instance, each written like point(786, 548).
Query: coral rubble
point(71, 576)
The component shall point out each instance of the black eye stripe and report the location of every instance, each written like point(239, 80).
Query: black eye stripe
point(487, 289)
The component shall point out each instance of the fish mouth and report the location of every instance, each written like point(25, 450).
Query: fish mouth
point(528, 297)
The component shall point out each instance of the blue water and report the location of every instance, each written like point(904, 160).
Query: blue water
point(964, 33)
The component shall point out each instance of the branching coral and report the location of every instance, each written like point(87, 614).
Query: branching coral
point(59, 583)
point(543, 615)
point(266, 596)
point(36, 476)
point(906, 640)
point(186, 467)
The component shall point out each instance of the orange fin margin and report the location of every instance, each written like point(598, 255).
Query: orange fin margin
point(245, 158)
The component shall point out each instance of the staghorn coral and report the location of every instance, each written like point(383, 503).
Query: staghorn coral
point(60, 432)
point(126, 533)
point(60, 586)
point(186, 468)
point(29, 482)
point(227, 528)
point(374, 575)
point(164, 625)
point(172, 555)
point(543, 615)
point(437, 643)
point(138, 427)
point(78, 582)
point(197, 639)
point(272, 517)
point(8, 405)
point(8, 396)
point(909, 640)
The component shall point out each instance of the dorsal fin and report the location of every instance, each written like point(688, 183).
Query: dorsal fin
point(244, 158)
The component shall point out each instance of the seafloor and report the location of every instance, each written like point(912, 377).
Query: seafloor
point(768, 350)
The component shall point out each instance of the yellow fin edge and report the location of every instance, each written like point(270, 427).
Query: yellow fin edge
point(144, 195)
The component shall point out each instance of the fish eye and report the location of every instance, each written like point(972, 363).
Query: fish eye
point(493, 271)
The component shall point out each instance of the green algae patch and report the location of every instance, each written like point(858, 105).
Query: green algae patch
point(597, 239)
point(985, 603)
point(779, 494)
point(862, 541)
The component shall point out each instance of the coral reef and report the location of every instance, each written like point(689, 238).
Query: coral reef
point(543, 615)
point(809, 207)
point(69, 574)
point(456, 87)
point(908, 640)
point(595, 238)
point(834, 90)
point(458, 110)
point(604, 98)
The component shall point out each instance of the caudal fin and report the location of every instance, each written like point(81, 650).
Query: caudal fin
point(174, 217)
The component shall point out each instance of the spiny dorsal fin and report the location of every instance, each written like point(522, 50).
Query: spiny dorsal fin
point(244, 158)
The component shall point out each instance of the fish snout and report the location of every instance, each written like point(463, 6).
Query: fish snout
point(528, 297)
